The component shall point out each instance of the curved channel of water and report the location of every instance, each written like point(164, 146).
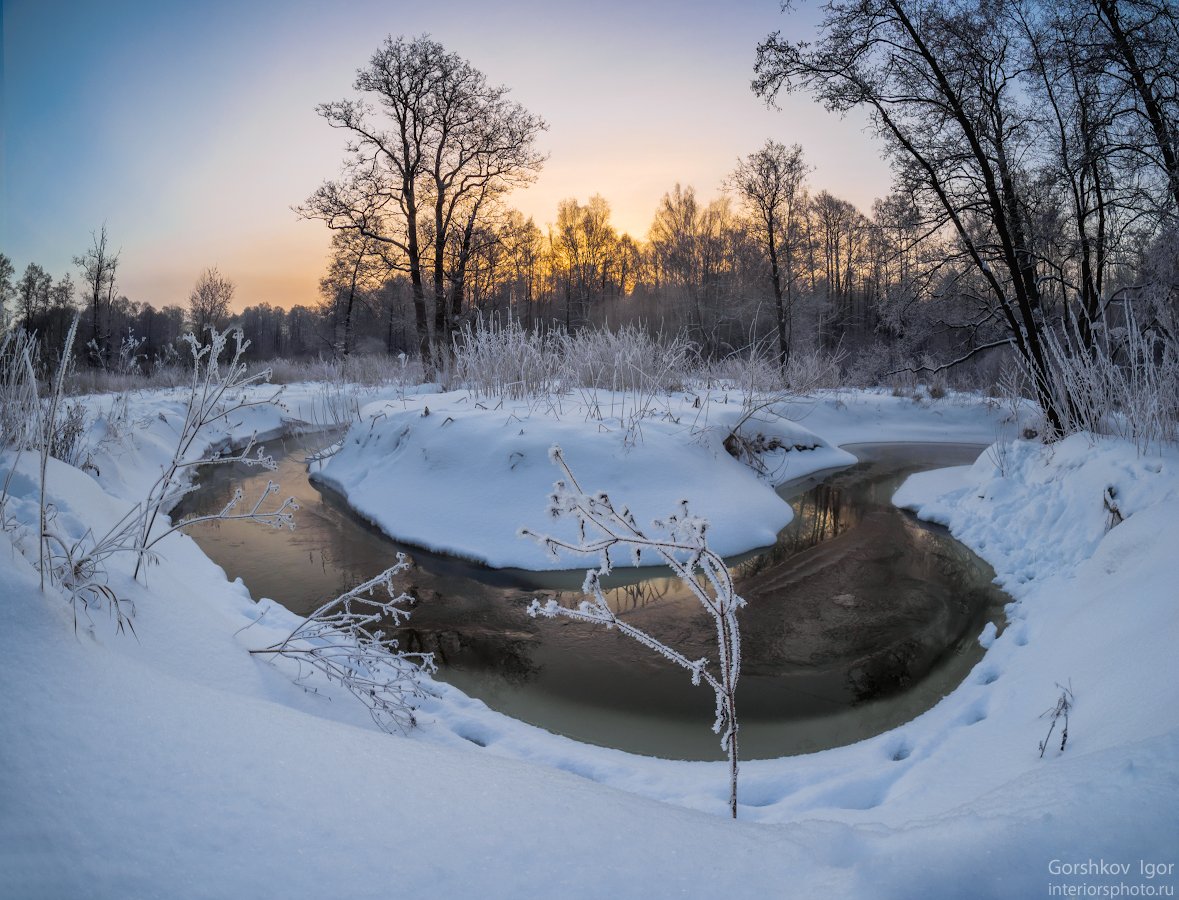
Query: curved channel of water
point(859, 618)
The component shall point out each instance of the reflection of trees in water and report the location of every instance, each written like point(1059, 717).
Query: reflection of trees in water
point(475, 650)
point(820, 514)
point(626, 597)
point(934, 556)
point(890, 671)
point(858, 588)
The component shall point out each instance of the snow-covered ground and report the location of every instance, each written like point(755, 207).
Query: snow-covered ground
point(171, 763)
point(462, 476)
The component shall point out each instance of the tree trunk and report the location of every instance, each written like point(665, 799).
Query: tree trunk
point(779, 306)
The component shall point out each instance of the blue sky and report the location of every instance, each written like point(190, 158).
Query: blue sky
point(190, 130)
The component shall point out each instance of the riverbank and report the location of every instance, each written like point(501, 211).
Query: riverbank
point(458, 475)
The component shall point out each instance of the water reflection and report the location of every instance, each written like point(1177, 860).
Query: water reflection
point(858, 618)
point(625, 598)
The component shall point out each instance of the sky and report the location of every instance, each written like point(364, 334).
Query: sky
point(189, 128)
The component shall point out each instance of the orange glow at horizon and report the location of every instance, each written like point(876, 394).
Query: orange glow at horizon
point(202, 168)
point(286, 272)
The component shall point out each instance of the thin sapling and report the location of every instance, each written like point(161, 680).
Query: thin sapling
point(603, 530)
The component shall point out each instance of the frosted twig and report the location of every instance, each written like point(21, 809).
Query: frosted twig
point(343, 641)
point(601, 528)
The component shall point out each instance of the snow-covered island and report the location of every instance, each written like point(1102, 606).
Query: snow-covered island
point(171, 762)
point(462, 475)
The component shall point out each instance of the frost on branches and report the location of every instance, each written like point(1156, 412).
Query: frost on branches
point(217, 391)
point(604, 530)
point(344, 642)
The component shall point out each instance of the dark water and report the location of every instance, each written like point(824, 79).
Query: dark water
point(858, 619)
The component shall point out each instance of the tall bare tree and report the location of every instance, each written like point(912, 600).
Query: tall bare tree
point(208, 302)
point(940, 84)
point(429, 143)
point(770, 181)
point(98, 266)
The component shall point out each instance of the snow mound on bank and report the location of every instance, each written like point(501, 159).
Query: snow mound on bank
point(1039, 511)
point(454, 476)
point(460, 475)
point(1082, 534)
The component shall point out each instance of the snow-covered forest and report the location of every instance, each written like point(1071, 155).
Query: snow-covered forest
point(604, 434)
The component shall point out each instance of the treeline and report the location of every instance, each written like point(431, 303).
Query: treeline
point(114, 331)
point(1033, 214)
point(702, 271)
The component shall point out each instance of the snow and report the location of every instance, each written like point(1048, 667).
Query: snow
point(173, 763)
point(408, 466)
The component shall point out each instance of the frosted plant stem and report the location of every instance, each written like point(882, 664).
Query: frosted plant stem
point(602, 527)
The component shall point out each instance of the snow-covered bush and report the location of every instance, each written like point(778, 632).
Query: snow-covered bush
point(505, 360)
point(1127, 385)
point(344, 642)
point(32, 391)
point(752, 368)
point(127, 360)
point(359, 368)
point(755, 370)
point(604, 530)
point(19, 404)
point(628, 360)
point(810, 370)
point(216, 391)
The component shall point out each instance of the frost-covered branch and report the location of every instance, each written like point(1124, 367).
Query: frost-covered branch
point(48, 428)
point(602, 528)
point(344, 641)
point(213, 395)
point(282, 516)
point(79, 568)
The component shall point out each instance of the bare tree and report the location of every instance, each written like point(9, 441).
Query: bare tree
point(355, 269)
point(7, 290)
point(583, 244)
point(208, 303)
point(32, 295)
point(1143, 37)
point(940, 85)
point(769, 181)
point(690, 250)
point(482, 148)
point(675, 241)
point(523, 244)
point(98, 267)
point(423, 158)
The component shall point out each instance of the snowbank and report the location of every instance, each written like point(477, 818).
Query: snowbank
point(174, 764)
point(457, 475)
